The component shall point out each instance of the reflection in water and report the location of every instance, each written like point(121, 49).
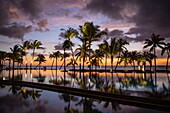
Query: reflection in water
point(28, 100)
point(106, 82)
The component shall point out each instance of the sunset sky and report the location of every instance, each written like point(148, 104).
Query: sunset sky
point(133, 20)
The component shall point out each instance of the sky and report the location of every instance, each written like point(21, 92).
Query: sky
point(133, 20)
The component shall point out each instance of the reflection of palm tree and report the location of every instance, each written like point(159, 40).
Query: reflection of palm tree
point(35, 45)
point(167, 49)
point(154, 42)
point(68, 98)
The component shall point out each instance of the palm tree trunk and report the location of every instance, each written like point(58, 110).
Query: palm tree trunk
point(56, 63)
point(155, 66)
point(117, 61)
point(52, 64)
point(72, 54)
point(106, 63)
point(64, 61)
point(167, 63)
point(32, 58)
point(134, 65)
point(112, 63)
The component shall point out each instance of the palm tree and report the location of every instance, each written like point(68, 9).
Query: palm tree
point(66, 45)
point(167, 49)
point(40, 59)
point(104, 47)
point(55, 55)
point(16, 50)
point(91, 33)
point(125, 59)
point(121, 47)
point(113, 50)
point(26, 46)
point(70, 33)
point(2, 58)
point(133, 57)
point(35, 45)
point(52, 57)
point(9, 58)
point(154, 42)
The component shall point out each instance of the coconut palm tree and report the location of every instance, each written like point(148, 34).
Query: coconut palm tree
point(153, 43)
point(2, 58)
point(9, 58)
point(16, 50)
point(125, 59)
point(55, 55)
point(35, 45)
point(167, 50)
point(121, 47)
point(133, 57)
point(68, 34)
point(66, 46)
point(104, 47)
point(91, 33)
point(113, 50)
point(40, 59)
point(25, 46)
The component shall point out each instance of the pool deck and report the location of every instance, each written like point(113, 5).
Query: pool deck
point(145, 102)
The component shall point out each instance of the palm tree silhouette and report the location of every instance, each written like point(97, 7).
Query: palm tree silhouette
point(35, 45)
point(40, 59)
point(167, 50)
point(154, 42)
point(70, 33)
point(91, 33)
point(25, 46)
point(55, 55)
point(113, 50)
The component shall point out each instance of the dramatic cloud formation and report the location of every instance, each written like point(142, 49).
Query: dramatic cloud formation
point(148, 16)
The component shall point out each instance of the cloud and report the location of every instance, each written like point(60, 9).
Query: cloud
point(147, 17)
point(15, 31)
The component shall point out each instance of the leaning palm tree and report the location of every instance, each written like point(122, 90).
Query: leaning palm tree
point(68, 34)
point(167, 50)
point(40, 59)
point(35, 45)
point(154, 42)
point(25, 46)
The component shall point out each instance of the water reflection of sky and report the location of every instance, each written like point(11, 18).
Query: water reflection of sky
point(125, 81)
point(53, 102)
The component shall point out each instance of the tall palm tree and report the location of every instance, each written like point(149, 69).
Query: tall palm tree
point(167, 50)
point(2, 58)
point(9, 58)
point(66, 46)
point(52, 57)
point(26, 46)
point(133, 57)
point(125, 59)
point(35, 45)
point(104, 47)
point(121, 47)
point(68, 34)
point(113, 50)
point(153, 43)
point(91, 33)
point(40, 59)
